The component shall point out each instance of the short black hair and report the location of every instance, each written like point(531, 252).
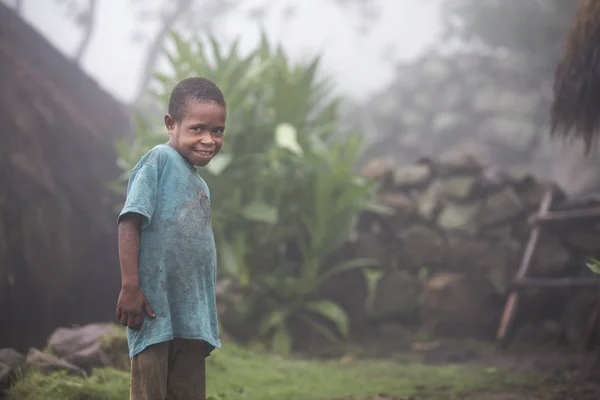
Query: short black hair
point(193, 89)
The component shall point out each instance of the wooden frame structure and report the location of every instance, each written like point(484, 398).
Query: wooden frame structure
point(542, 219)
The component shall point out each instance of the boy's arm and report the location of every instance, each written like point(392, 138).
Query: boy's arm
point(131, 301)
point(129, 249)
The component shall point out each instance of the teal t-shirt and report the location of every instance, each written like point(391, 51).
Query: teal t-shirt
point(178, 261)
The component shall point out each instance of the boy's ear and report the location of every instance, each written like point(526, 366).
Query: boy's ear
point(170, 123)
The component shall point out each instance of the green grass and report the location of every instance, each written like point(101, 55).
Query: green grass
point(236, 373)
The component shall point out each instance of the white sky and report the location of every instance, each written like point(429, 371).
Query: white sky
point(356, 62)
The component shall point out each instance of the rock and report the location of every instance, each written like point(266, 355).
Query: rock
point(389, 337)
point(576, 317)
point(494, 261)
point(500, 207)
point(454, 305)
point(585, 241)
point(415, 175)
point(369, 245)
point(551, 257)
point(397, 296)
point(460, 163)
point(350, 291)
point(6, 375)
point(65, 341)
point(114, 347)
point(11, 357)
point(404, 207)
point(430, 201)
point(404, 210)
point(492, 179)
point(458, 217)
point(378, 169)
point(397, 201)
point(531, 194)
point(458, 188)
point(10, 362)
point(521, 178)
point(47, 363)
point(421, 246)
point(501, 232)
point(89, 358)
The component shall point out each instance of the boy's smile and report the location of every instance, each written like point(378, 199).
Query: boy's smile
point(198, 137)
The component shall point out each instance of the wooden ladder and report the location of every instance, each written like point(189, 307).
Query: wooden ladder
point(544, 215)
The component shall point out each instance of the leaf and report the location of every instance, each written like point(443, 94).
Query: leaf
point(594, 265)
point(319, 327)
point(227, 260)
point(275, 320)
point(332, 312)
point(357, 263)
point(378, 208)
point(218, 164)
point(372, 277)
point(260, 212)
point(281, 342)
point(285, 137)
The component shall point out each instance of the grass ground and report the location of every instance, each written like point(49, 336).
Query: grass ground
point(237, 373)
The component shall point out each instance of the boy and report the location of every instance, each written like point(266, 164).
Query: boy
point(167, 251)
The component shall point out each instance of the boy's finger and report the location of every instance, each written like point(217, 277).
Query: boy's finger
point(148, 309)
point(137, 321)
point(119, 313)
point(131, 320)
point(123, 318)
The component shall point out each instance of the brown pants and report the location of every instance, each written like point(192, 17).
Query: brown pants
point(173, 370)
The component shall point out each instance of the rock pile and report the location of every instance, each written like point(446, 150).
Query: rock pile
point(453, 242)
point(75, 350)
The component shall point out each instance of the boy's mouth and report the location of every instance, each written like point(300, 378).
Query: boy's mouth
point(204, 153)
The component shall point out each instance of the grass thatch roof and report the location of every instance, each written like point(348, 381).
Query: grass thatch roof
point(58, 261)
point(576, 105)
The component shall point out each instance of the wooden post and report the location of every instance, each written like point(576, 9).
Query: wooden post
point(512, 301)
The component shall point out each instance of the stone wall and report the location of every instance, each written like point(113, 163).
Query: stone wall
point(452, 245)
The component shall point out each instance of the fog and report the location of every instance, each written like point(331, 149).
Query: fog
point(360, 62)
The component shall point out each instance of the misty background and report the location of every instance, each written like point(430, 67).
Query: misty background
point(360, 55)
point(384, 57)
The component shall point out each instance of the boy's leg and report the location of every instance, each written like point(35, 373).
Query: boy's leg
point(149, 372)
point(187, 379)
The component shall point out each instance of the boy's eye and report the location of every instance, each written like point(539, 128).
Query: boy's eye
point(218, 131)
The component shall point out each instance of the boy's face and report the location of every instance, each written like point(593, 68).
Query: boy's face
point(198, 137)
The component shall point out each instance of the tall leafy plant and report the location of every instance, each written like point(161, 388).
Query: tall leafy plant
point(285, 196)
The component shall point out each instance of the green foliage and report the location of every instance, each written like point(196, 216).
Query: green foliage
point(594, 265)
point(236, 373)
point(285, 195)
point(104, 384)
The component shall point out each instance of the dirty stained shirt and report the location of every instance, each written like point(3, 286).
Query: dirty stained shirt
point(177, 261)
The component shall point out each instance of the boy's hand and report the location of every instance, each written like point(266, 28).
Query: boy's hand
point(130, 306)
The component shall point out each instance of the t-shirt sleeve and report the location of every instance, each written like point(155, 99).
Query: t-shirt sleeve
point(142, 192)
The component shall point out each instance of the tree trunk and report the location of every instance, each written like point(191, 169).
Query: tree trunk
point(88, 23)
point(169, 19)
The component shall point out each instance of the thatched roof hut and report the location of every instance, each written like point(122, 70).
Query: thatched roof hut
point(576, 105)
point(58, 257)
